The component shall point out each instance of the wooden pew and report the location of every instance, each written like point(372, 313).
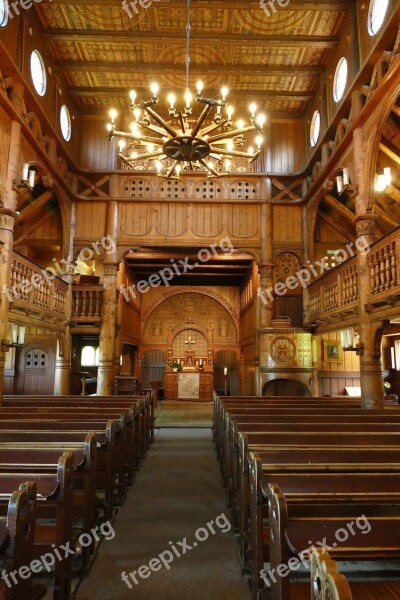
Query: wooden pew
point(122, 458)
point(145, 414)
point(325, 481)
point(328, 582)
point(53, 514)
point(17, 530)
point(45, 460)
point(294, 527)
point(75, 439)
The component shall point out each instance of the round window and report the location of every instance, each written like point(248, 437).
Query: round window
point(65, 123)
point(340, 81)
point(315, 128)
point(3, 13)
point(376, 15)
point(38, 72)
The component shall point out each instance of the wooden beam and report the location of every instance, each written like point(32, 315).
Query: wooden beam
point(396, 110)
point(390, 150)
point(197, 39)
point(24, 232)
point(272, 115)
point(393, 193)
point(168, 68)
point(384, 216)
point(335, 225)
point(297, 5)
point(145, 94)
point(33, 207)
point(339, 207)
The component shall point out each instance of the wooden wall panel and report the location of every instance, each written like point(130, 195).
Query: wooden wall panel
point(134, 219)
point(287, 223)
point(243, 221)
point(90, 220)
point(334, 377)
point(172, 219)
point(287, 146)
point(206, 220)
point(96, 152)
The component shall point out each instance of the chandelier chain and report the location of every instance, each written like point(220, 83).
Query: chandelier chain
point(188, 29)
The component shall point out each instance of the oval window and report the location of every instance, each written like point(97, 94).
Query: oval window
point(315, 128)
point(65, 123)
point(376, 15)
point(340, 81)
point(38, 72)
point(3, 13)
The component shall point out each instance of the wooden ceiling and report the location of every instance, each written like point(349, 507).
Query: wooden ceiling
point(275, 60)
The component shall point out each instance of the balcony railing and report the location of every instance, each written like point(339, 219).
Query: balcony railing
point(86, 304)
point(336, 292)
point(33, 290)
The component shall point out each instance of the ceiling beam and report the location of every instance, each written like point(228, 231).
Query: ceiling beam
point(197, 38)
point(99, 92)
point(293, 5)
point(33, 225)
point(336, 226)
point(168, 68)
point(384, 216)
point(340, 208)
point(390, 150)
point(396, 110)
point(32, 208)
point(272, 115)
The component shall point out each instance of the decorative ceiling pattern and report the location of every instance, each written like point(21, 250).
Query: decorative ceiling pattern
point(276, 60)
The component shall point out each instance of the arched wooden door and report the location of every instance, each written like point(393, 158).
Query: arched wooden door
point(36, 368)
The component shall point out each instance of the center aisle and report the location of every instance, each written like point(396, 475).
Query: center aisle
point(177, 492)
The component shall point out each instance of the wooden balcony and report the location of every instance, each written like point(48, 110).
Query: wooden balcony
point(35, 292)
point(86, 308)
point(333, 297)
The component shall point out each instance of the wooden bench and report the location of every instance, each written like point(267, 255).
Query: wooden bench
point(328, 582)
point(45, 460)
point(53, 493)
point(17, 530)
point(294, 527)
point(73, 439)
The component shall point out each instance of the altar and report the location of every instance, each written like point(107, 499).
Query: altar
point(189, 385)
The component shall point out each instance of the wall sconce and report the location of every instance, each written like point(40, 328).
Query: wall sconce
point(347, 342)
point(27, 179)
point(343, 184)
point(383, 181)
point(17, 338)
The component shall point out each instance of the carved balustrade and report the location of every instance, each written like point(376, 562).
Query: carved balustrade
point(34, 290)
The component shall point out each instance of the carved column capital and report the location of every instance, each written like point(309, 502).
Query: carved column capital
point(7, 219)
point(366, 225)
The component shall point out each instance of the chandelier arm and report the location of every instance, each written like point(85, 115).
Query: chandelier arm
point(209, 168)
point(153, 128)
point(171, 169)
point(145, 156)
point(213, 127)
point(150, 140)
point(237, 153)
point(200, 120)
point(161, 122)
point(182, 122)
point(231, 133)
point(256, 155)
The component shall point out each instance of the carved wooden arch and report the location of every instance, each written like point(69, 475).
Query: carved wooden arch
point(380, 119)
point(192, 328)
point(381, 326)
point(193, 290)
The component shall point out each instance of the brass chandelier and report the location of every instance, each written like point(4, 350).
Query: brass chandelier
point(182, 143)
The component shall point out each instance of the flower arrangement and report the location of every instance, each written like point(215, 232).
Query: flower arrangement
point(176, 365)
point(387, 385)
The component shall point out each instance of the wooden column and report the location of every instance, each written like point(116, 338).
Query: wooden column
point(371, 372)
point(8, 206)
point(62, 373)
point(105, 373)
